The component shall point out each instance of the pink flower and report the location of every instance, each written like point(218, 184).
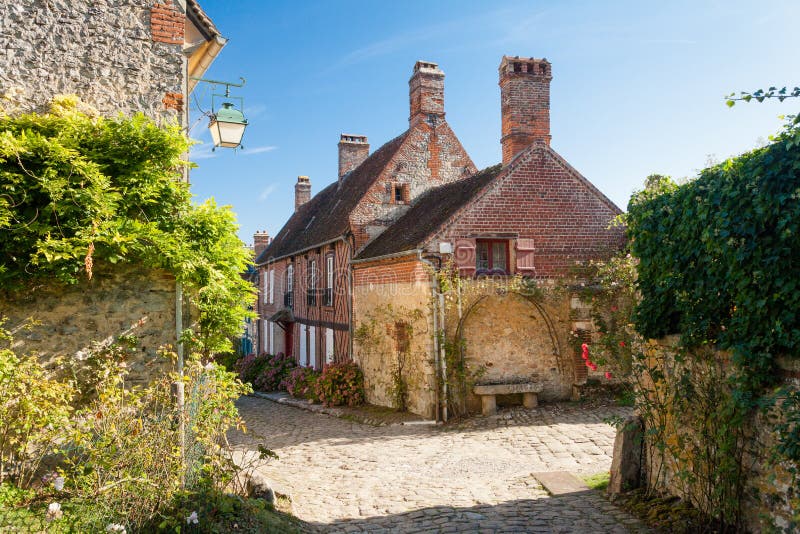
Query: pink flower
point(608, 375)
point(585, 356)
point(585, 347)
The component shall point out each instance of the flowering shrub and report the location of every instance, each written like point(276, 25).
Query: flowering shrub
point(274, 372)
point(302, 383)
point(341, 384)
point(250, 366)
point(265, 371)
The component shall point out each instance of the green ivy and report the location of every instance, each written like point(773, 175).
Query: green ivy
point(719, 258)
point(80, 193)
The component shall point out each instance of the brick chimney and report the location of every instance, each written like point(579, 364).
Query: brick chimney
point(353, 150)
point(524, 103)
point(426, 93)
point(261, 241)
point(302, 191)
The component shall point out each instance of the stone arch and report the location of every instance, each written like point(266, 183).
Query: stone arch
point(515, 338)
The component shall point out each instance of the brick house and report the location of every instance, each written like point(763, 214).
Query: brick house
point(132, 56)
point(305, 302)
point(533, 214)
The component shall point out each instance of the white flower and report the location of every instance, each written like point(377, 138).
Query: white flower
point(209, 366)
point(116, 527)
point(58, 483)
point(192, 519)
point(54, 511)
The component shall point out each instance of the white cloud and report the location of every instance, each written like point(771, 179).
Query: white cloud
point(257, 150)
point(266, 193)
point(202, 151)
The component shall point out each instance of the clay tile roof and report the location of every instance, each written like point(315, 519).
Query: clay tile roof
point(427, 215)
point(200, 19)
point(327, 215)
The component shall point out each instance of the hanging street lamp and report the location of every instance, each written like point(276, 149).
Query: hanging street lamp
point(227, 124)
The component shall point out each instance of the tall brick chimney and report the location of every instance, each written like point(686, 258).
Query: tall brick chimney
point(260, 242)
point(426, 93)
point(353, 150)
point(524, 103)
point(302, 191)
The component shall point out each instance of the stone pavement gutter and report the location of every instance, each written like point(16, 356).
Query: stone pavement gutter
point(367, 415)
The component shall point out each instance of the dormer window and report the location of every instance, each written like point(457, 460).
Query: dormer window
point(401, 194)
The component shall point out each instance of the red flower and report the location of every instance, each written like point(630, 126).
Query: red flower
point(621, 343)
point(608, 375)
point(585, 356)
point(585, 347)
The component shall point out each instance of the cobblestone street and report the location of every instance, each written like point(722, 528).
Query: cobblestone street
point(476, 476)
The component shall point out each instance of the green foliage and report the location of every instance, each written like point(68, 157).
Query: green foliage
point(718, 258)
point(34, 413)
point(266, 372)
point(80, 193)
point(760, 95)
point(302, 383)
point(117, 453)
point(597, 481)
point(341, 384)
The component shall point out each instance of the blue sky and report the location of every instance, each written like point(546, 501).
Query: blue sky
point(637, 86)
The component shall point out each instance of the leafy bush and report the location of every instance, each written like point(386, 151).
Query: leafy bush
point(115, 458)
point(250, 366)
point(266, 372)
point(302, 383)
point(79, 193)
point(341, 384)
point(34, 413)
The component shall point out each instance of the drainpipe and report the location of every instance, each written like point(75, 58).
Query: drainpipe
point(443, 356)
point(438, 347)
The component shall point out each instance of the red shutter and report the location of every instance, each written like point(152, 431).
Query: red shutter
point(464, 256)
point(525, 252)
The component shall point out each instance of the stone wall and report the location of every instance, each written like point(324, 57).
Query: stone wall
point(770, 494)
point(378, 357)
point(506, 340)
point(101, 50)
point(69, 321)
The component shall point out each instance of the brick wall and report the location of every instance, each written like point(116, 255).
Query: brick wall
point(401, 270)
point(167, 24)
point(542, 198)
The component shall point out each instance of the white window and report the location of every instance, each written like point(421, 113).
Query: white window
point(303, 345)
point(313, 270)
point(329, 272)
point(272, 286)
point(328, 345)
point(265, 337)
point(289, 278)
point(312, 346)
point(271, 337)
point(264, 286)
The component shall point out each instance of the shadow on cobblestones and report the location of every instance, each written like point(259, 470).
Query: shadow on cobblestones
point(474, 475)
point(584, 512)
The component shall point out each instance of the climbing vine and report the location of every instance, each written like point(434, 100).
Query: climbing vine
point(389, 330)
point(80, 193)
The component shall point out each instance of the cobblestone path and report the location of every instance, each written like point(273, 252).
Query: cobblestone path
point(473, 477)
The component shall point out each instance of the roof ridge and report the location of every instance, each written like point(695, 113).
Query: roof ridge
point(330, 207)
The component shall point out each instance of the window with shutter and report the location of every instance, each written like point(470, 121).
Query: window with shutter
point(525, 256)
point(464, 256)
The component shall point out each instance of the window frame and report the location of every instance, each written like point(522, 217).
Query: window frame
point(492, 269)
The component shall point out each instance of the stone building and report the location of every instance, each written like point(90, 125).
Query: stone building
point(532, 215)
point(122, 56)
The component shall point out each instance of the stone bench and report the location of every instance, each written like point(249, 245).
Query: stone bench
point(488, 394)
